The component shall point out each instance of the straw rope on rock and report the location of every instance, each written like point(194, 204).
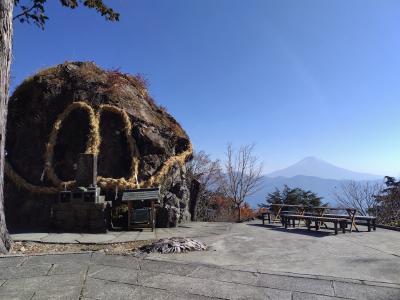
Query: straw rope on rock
point(132, 181)
point(91, 147)
point(22, 183)
point(180, 159)
point(77, 107)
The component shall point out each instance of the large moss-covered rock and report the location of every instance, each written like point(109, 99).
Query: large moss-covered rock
point(77, 107)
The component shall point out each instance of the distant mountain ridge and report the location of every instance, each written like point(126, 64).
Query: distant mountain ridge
point(312, 174)
point(312, 166)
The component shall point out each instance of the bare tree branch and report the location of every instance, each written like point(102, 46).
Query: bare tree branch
point(207, 172)
point(242, 176)
point(359, 195)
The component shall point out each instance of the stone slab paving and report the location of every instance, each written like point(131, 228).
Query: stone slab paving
point(56, 238)
point(100, 276)
point(195, 229)
point(244, 261)
point(366, 256)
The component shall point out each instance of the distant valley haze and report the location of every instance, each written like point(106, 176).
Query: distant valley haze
point(312, 166)
point(311, 173)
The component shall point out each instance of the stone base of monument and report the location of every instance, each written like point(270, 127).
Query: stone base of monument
point(81, 217)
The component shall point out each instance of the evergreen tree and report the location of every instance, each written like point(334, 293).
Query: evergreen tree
point(388, 203)
point(272, 198)
point(292, 196)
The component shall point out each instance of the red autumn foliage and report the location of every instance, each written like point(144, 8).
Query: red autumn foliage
point(246, 212)
point(261, 210)
point(223, 210)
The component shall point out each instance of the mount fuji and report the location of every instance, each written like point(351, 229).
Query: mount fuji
point(312, 174)
point(312, 166)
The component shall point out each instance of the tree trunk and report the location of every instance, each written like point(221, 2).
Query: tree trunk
point(6, 31)
point(239, 214)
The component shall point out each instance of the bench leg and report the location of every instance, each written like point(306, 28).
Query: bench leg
point(374, 224)
point(316, 225)
point(336, 230)
point(344, 225)
point(294, 223)
point(285, 222)
point(369, 225)
point(308, 223)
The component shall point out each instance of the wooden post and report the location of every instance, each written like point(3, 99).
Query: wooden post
point(129, 213)
point(321, 213)
point(352, 215)
point(301, 211)
point(308, 223)
point(278, 214)
point(152, 212)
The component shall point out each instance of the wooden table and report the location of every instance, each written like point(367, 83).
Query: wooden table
point(320, 210)
point(277, 208)
point(318, 221)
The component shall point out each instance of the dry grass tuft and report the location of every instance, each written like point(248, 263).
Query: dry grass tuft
point(174, 245)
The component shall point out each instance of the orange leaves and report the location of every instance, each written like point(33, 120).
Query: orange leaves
point(225, 209)
point(247, 212)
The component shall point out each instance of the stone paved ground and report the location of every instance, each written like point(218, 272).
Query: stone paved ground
point(99, 276)
point(198, 229)
point(245, 261)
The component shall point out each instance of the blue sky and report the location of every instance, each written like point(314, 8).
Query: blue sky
point(298, 78)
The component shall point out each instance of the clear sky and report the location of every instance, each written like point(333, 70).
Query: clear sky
point(298, 78)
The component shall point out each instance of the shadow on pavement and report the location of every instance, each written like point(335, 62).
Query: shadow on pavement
point(297, 230)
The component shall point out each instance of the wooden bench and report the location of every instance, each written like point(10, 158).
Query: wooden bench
point(351, 211)
point(267, 216)
point(342, 222)
point(371, 221)
point(277, 209)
